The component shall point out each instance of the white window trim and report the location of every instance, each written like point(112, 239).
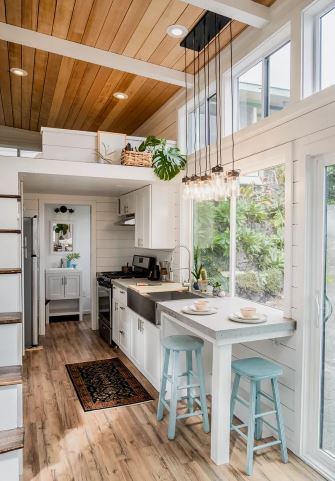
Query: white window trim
point(264, 50)
point(311, 48)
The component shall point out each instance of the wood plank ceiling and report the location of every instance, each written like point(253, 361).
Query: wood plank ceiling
point(66, 93)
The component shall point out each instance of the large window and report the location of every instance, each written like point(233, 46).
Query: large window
point(265, 87)
point(259, 242)
point(260, 237)
point(211, 239)
point(327, 43)
point(197, 123)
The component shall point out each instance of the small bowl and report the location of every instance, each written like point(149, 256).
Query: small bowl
point(201, 305)
point(248, 312)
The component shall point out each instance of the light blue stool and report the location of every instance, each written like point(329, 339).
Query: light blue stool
point(256, 369)
point(173, 345)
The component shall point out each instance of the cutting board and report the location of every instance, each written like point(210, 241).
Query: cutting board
point(162, 287)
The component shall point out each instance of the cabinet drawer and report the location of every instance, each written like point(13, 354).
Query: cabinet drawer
point(120, 295)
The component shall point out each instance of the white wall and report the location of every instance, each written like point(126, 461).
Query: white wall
point(81, 221)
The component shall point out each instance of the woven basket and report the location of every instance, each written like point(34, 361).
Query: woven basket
point(137, 159)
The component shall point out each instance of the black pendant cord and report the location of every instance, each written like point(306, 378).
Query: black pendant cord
point(232, 96)
point(219, 100)
point(199, 121)
point(194, 114)
point(209, 123)
point(217, 104)
point(186, 117)
point(206, 103)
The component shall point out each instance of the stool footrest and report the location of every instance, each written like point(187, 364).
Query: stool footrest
point(165, 404)
point(267, 445)
point(188, 415)
point(188, 386)
point(183, 374)
point(264, 414)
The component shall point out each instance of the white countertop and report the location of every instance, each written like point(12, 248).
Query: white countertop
point(154, 286)
point(217, 326)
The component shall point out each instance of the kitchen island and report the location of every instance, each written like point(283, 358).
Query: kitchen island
point(222, 333)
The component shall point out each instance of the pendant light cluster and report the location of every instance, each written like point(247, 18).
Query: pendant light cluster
point(208, 181)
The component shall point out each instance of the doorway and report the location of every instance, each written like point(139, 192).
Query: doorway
point(321, 377)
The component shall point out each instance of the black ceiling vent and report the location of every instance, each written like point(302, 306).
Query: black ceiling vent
point(204, 31)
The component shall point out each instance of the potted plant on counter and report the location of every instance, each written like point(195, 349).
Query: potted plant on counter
point(71, 259)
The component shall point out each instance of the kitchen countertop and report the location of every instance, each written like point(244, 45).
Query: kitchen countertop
point(217, 326)
point(155, 286)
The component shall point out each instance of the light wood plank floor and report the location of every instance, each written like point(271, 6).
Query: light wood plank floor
point(63, 443)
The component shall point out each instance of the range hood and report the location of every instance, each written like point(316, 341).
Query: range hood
point(125, 220)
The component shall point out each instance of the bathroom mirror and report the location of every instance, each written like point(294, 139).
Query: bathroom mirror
point(61, 237)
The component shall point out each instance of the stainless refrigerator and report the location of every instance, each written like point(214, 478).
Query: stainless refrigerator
point(30, 272)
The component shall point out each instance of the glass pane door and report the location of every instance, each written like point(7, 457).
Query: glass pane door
point(327, 421)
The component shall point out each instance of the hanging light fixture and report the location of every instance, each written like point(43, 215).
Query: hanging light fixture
point(233, 175)
point(207, 182)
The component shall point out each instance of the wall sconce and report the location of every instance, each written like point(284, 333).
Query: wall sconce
point(63, 209)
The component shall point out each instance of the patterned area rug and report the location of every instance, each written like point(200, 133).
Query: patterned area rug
point(106, 384)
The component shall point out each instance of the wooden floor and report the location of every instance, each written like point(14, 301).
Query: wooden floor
point(63, 443)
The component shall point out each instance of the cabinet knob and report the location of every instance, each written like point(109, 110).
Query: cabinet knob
point(122, 308)
point(121, 332)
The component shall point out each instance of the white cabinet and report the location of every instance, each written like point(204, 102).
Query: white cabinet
point(137, 340)
point(154, 217)
point(54, 286)
point(127, 204)
point(72, 286)
point(63, 292)
point(124, 329)
point(145, 349)
point(115, 325)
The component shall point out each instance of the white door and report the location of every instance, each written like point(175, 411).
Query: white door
point(152, 353)
point(115, 323)
point(55, 286)
point(72, 286)
point(321, 375)
point(137, 341)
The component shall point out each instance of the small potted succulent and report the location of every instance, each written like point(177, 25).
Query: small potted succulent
point(203, 281)
point(71, 259)
point(217, 288)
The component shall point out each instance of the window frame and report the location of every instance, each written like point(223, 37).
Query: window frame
point(191, 109)
point(265, 90)
point(311, 20)
point(277, 156)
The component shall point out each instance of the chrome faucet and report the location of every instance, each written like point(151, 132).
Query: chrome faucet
point(183, 246)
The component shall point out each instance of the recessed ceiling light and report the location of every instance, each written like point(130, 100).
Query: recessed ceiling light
point(19, 71)
point(177, 31)
point(120, 95)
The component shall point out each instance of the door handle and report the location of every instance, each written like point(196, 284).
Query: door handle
point(122, 308)
point(121, 332)
point(329, 305)
point(318, 310)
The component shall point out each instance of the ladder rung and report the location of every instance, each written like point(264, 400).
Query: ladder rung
point(14, 270)
point(265, 414)
point(187, 373)
point(267, 445)
point(10, 196)
point(10, 317)
point(10, 231)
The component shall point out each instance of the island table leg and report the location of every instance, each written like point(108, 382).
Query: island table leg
point(221, 388)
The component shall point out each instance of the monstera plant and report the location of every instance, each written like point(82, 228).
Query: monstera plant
point(167, 161)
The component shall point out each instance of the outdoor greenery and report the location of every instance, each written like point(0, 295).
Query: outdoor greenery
point(259, 238)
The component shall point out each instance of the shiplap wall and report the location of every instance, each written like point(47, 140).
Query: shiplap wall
point(114, 244)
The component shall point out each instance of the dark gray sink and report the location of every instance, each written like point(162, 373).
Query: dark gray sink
point(172, 296)
point(145, 305)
